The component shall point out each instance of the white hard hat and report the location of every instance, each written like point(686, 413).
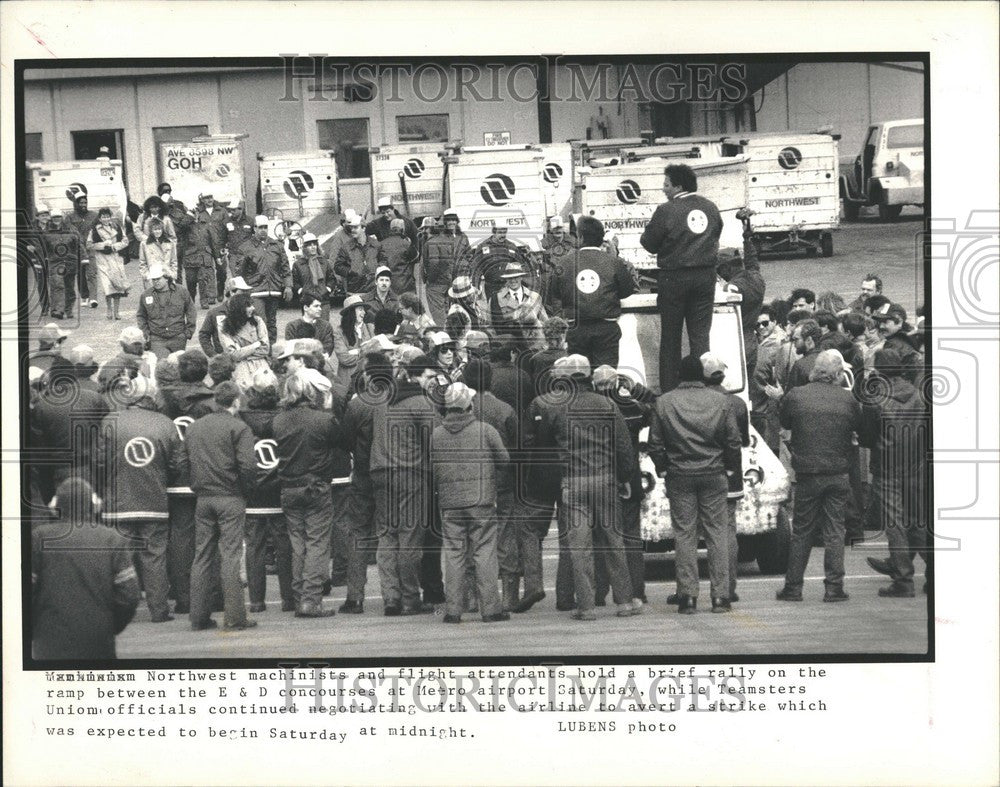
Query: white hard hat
point(155, 271)
point(384, 202)
point(261, 221)
point(308, 237)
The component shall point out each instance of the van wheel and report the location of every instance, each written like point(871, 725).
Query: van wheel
point(889, 212)
point(773, 546)
point(852, 210)
point(826, 243)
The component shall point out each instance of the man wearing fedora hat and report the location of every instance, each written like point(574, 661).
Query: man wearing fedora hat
point(514, 308)
point(491, 258)
point(467, 298)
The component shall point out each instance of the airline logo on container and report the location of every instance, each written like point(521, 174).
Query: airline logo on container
point(552, 172)
point(498, 189)
point(75, 190)
point(414, 168)
point(298, 183)
point(628, 192)
point(789, 158)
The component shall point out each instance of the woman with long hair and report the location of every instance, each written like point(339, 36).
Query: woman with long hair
point(105, 243)
point(243, 336)
point(155, 209)
point(350, 334)
point(157, 249)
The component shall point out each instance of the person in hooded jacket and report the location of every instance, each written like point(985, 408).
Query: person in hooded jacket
point(398, 253)
point(259, 410)
point(465, 454)
point(444, 256)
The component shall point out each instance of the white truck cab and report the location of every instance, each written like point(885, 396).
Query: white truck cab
point(889, 170)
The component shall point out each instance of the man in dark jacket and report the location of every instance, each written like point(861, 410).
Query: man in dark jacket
point(262, 262)
point(895, 427)
point(892, 326)
point(374, 388)
point(805, 337)
point(141, 458)
point(683, 233)
point(308, 433)
point(219, 448)
point(823, 417)
point(743, 275)
point(557, 244)
point(400, 471)
point(166, 315)
point(443, 257)
point(694, 442)
point(201, 255)
point(312, 325)
point(357, 258)
point(588, 287)
point(82, 220)
point(382, 298)
point(381, 227)
point(478, 374)
point(62, 254)
point(510, 383)
point(217, 217)
point(398, 253)
point(312, 271)
point(593, 443)
point(84, 588)
point(465, 456)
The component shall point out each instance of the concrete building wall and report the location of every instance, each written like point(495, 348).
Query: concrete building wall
point(845, 96)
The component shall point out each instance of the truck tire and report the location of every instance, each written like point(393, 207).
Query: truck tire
point(852, 210)
point(889, 212)
point(826, 243)
point(773, 546)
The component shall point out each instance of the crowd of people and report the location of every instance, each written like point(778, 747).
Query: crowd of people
point(463, 399)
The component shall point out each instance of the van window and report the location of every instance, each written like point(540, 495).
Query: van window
point(906, 136)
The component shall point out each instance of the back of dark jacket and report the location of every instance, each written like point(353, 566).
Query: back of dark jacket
point(591, 436)
point(636, 416)
point(220, 454)
point(693, 431)
point(191, 399)
point(895, 428)
point(803, 368)
point(309, 446)
point(511, 385)
point(267, 492)
point(500, 415)
point(822, 417)
point(356, 436)
point(402, 429)
point(65, 424)
point(684, 233)
point(589, 285)
point(465, 454)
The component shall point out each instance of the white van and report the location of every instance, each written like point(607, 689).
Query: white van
point(412, 176)
point(889, 170)
point(59, 183)
point(299, 186)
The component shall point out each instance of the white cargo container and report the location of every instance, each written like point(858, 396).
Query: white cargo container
point(412, 176)
point(205, 164)
point(557, 179)
point(603, 152)
point(504, 185)
point(299, 186)
point(792, 189)
point(59, 183)
point(624, 197)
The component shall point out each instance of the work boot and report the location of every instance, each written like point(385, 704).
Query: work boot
point(313, 609)
point(896, 590)
point(788, 594)
point(509, 594)
point(529, 601)
point(880, 565)
point(687, 605)
point(497, 617)
point(584, 614)
point(352, 607)
point(835, 594)
point(721, 605)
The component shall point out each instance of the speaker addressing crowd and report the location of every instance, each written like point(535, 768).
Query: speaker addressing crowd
point(436, 420)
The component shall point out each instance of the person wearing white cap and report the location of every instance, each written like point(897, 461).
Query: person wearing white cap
point(357, 258)
point(381, 227)
point(443, 257)
point(312, 270)
point(262, 262)
point(50, 341)
point(217, 218)
point(166, 314)
point(557, 243)
point(465, 456)
point(63, 254)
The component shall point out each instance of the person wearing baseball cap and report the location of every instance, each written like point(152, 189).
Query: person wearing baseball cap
point(895, 330)
point(314, 271)
point(216, 217)
point(382, 298)
point(381, 227)
point(443, 349)
point(62, 255)
point(84, 365)
point(557, 245)
point(466, 455)
point(50, 342)
point(444, 256)
point(166, 314)
point(714, 370)
point(899, 471)
point(694, 440)
point(357, 257)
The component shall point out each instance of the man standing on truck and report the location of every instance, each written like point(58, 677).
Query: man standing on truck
point(683, 233)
